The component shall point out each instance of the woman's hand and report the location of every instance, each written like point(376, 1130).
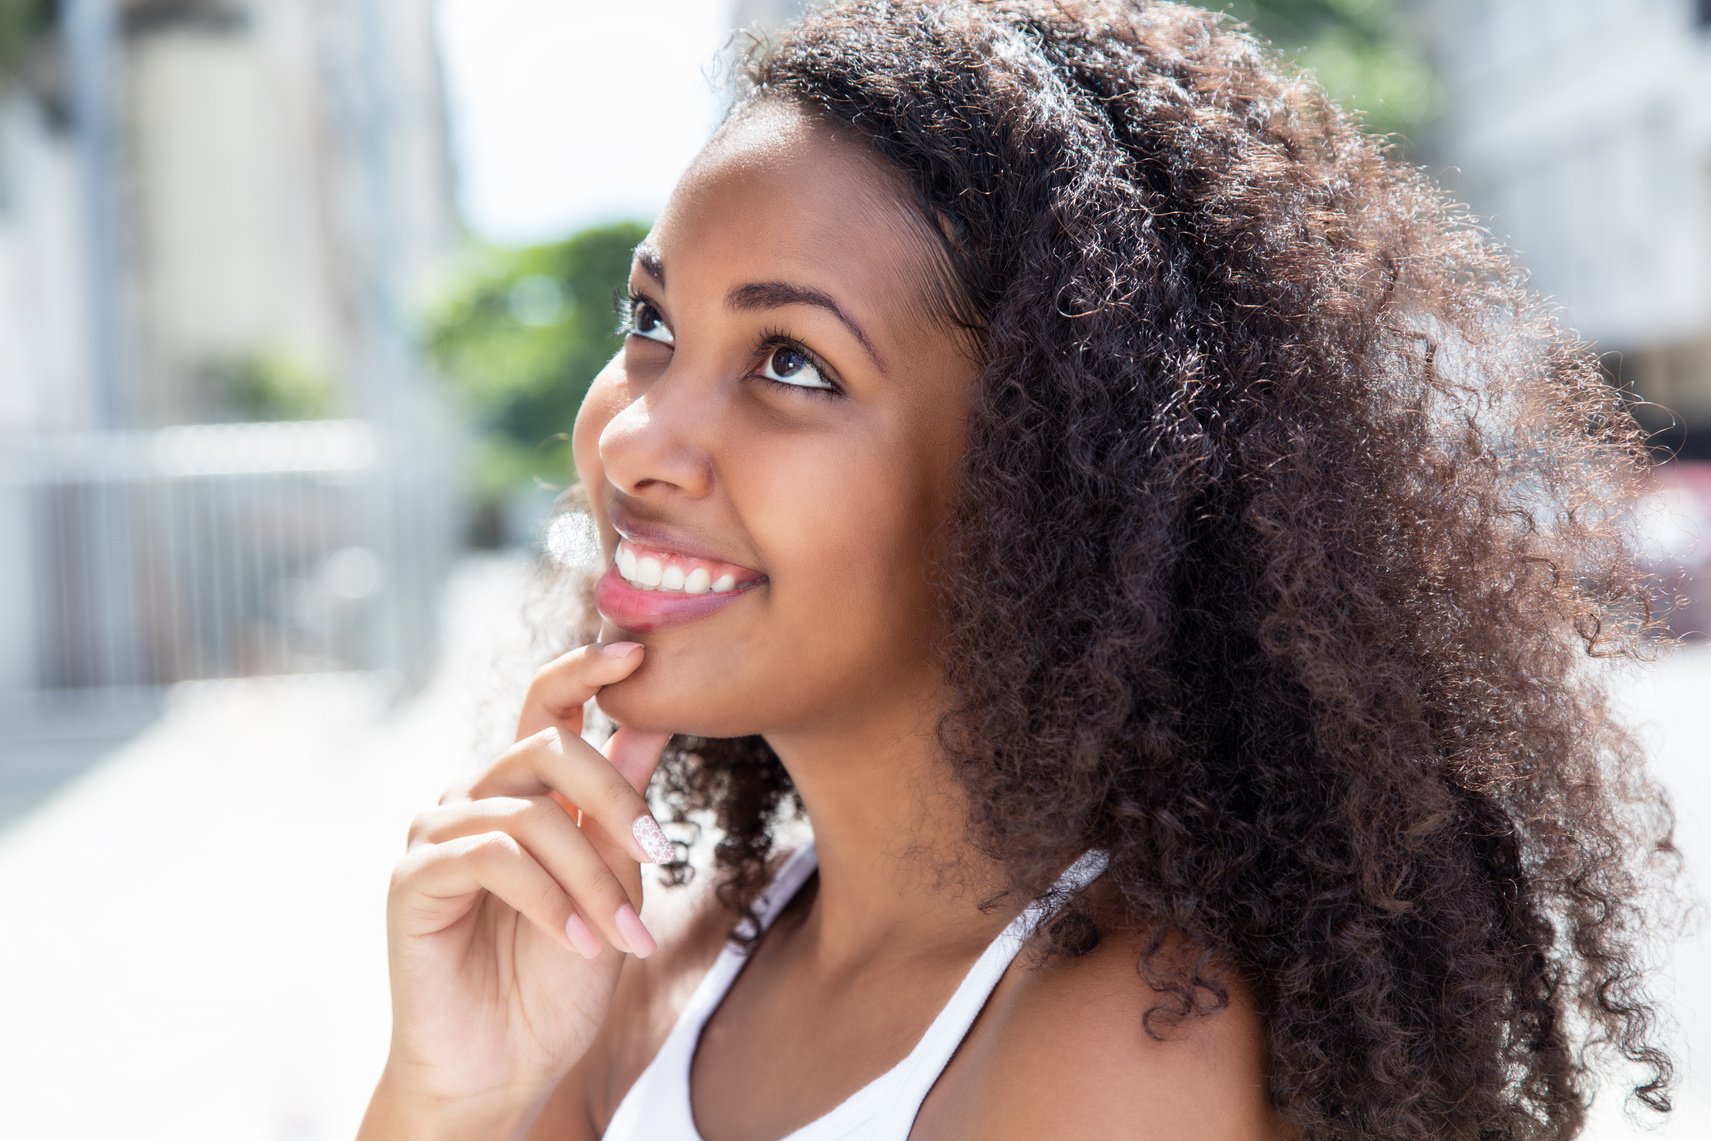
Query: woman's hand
point(507, 921)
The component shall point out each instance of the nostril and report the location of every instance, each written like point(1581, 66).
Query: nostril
point(646, 448)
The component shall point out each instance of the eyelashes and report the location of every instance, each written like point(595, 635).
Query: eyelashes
point(774, 346)
point(623, 307)
point(638, 316)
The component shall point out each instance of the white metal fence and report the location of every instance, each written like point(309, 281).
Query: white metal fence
point(132, 561)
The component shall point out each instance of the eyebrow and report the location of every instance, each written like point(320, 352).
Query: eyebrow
point(648, 258)
point(759, 295)
point(777, 294)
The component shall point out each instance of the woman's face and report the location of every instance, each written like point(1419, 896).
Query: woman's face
point(777, 442)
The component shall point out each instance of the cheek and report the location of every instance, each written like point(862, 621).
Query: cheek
point(846, 625)
point(877, 552)
point(844, 520)
point(861, 547)
point(854, 508)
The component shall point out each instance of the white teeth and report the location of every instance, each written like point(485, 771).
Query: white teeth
point(650, 573)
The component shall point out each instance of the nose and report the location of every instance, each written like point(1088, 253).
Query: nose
point(660, 441)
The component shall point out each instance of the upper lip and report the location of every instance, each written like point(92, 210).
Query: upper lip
point(672, 540)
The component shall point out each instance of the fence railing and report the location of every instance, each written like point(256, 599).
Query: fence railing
point(130, 561)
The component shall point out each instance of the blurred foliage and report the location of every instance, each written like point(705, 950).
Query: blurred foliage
point(271, 384)
point(21, 21)
point(519, 338)
point(1365, 52)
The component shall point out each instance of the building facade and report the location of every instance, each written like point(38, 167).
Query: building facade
point(283, 191)
point(1580, 132)
point(217, 216)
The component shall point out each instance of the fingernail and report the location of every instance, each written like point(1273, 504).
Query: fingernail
point(587, 943)
point(653, 839)
point(620, 649)
point(630, 927)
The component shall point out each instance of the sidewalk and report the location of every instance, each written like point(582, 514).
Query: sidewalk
point(194, 941)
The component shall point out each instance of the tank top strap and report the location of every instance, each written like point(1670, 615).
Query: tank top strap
point(657, 1104)
point(916, 1074)
point(792, 874)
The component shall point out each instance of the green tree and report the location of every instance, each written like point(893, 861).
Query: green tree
point(1363, 51)
point(519, 337)
point(270, 383)
point(21, 21)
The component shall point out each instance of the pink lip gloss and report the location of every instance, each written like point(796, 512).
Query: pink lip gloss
point(634, 609)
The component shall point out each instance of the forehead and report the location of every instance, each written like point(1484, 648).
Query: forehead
point(779, 195)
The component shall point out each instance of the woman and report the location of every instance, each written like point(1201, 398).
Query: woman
point(1134, 521)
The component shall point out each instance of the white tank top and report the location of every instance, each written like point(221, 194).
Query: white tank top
point(657, 1108)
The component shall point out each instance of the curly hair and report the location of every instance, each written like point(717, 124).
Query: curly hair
point(1289, 522)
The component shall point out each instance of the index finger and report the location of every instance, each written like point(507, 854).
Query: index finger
point(561, 687)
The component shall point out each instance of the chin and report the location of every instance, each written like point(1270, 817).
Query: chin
point(656, 704)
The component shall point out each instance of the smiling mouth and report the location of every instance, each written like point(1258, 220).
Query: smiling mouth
point(647, 589)
point(648, 568)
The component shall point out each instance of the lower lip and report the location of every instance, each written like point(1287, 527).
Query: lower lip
point(644, 611)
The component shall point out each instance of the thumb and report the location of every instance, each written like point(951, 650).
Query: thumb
point(635, 753)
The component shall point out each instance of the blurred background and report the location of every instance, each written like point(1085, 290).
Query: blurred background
point(297, 298)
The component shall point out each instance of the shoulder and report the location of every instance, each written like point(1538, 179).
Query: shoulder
point(1069, 1055)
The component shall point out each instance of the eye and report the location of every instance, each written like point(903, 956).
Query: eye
point(790, 364)
point(643, 320)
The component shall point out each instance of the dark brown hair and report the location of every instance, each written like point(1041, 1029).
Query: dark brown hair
point(1289, 522)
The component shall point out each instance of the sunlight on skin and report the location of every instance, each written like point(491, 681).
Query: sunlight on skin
point(833, 497)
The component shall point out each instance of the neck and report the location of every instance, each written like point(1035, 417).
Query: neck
point(898, 879)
